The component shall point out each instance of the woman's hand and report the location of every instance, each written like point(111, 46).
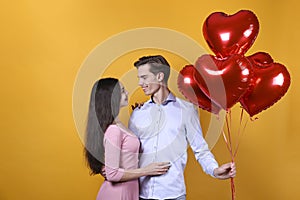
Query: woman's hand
point(154, 169)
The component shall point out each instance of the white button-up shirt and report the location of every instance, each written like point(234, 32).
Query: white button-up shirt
point(165, 131)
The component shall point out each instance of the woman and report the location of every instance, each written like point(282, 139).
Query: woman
point(108, 140)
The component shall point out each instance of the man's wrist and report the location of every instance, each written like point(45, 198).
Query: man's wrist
point(214, 174)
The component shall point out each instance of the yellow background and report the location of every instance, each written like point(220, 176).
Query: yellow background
point(43, 44)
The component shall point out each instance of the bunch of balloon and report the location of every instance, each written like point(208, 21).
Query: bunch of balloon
point(219, 81)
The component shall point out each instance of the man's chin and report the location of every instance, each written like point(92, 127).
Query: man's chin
point(147, 93)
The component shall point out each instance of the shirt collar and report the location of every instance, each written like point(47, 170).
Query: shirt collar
point(171, 98)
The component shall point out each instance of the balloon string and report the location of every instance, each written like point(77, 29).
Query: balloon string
point(229, 146)
point(238, 141)
point(230, 118)
point(229, 142)
point(229, 132)
point(241, 120)
point(240, 132)
point(232, 189)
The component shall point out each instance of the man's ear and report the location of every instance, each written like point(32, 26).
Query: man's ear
point(160, 76)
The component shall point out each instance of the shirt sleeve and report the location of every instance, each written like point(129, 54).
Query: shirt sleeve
point(131, 124)
point(199, 146)
point(113, 148)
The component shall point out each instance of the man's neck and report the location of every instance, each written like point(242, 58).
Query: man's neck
point(161, 95)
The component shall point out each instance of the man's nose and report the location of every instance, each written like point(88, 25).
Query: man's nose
point(140, 82)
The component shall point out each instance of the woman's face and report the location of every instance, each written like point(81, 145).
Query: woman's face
point(124, 96)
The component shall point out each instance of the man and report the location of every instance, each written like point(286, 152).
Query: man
point(165, 126)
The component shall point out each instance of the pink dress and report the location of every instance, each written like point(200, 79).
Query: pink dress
point(121, 152)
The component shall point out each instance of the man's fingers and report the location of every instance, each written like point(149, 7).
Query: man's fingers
point(228, 166)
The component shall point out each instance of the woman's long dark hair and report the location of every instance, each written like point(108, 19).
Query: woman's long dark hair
point(103, 109)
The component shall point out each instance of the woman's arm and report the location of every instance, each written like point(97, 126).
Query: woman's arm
point(153, 169)
point(113, 148)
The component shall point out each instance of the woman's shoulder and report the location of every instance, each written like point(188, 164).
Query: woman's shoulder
point(126, 131)
point(113, 134)
point(112, 129)
point(117, 129)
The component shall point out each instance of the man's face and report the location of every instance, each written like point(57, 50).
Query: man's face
point(147, 80)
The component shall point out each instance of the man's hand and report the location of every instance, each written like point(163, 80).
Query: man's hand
point(137, 105)
point(225, 171)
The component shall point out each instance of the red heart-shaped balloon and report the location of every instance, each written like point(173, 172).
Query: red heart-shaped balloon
point(189, 88)
point(224, 81)
point(269, 83)
point(261, 59)
point(230, 34)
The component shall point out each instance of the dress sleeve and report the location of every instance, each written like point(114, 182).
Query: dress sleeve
point(199, 146)
point(113, 148)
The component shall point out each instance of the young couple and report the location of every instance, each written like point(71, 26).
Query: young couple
point(147, 159)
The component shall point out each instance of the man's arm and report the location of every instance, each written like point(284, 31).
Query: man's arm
point(199, 146)
point(202, 153)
